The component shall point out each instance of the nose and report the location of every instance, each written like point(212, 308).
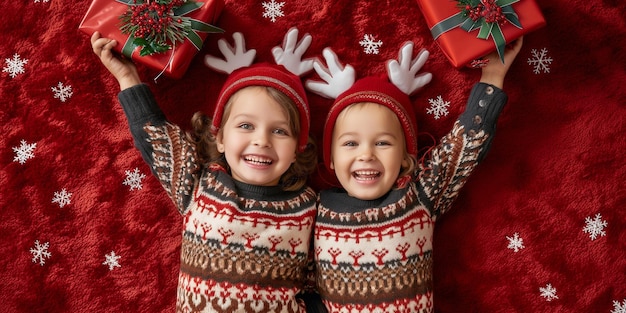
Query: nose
point(261, 139)
point(365, 153)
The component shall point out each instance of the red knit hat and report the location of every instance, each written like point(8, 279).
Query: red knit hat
point(380, 91)
point(269, 75)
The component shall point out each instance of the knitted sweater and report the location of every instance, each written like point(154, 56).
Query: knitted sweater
point(244, 247)
point(376, 256)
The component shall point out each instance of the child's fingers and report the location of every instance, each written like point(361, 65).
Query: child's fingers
point(100, 44)
point(109, 45)
point(96, 43)
point(513, 49)
point(517, 45)
point(95, 36)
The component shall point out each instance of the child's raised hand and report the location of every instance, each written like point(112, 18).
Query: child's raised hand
point(403, 72)
point(290, 54)
point(337, 77)
point(495, 71)
point(236, 56)
point(122, 69)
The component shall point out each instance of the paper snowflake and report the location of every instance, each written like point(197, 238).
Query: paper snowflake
point(133, 179)
point(62, 198)
point(112, 260)
point(40, 252)
point(62, 92)
point(548, 292)
point(370, 44)
point(540, 61)
point(515, 243)
point(273, 10)
point(24, 152)
point(438, 107)
point(14, 66)
point(619, 307)
point(595, 227)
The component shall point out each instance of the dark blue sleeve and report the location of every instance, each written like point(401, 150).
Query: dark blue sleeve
point(140, 109)
point(446, 168)
point(483, 108)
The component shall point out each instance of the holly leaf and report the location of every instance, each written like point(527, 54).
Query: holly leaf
point(150, 47)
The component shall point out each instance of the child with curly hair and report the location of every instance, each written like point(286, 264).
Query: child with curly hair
point(238, 180)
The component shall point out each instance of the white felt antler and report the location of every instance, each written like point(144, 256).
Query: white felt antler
point(235, 57)
point(290, 54)
point(402, 72)
point(337, 77)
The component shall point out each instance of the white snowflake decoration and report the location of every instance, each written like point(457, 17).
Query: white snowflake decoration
point(24, 151)
point(548, 292)
point(62, 198)
point(619, 308)
point(62, 92)
point(40, 252)
point(438, 107)
point(14, 66)
point(516, 243)
point(112, 260)
point(370, 44)
point(540, 61)
point(273, 10)
point(36, 1)
point(595, 226)
point(133, 179)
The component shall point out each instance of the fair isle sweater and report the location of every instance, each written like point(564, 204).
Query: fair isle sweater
point(244, 247)
point(376, 256)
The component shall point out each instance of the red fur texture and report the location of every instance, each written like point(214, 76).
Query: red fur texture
point(558, 160)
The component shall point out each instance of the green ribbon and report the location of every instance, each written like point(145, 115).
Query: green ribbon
point(197, 26)
point(485, 30)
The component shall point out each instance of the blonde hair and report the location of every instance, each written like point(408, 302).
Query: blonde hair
point(206, 146)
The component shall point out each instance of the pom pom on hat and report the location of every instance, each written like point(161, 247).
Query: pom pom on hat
point(269, 75)
point(377, 90)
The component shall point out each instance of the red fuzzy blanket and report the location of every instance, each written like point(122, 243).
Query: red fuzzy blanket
point(540, 227)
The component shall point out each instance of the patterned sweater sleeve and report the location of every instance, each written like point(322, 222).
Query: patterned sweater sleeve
point(162, 145)
point(444, 170)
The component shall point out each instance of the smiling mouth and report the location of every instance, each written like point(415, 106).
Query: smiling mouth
point(257, 160)
point(366, 175)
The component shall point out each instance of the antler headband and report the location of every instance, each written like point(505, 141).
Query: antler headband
point(285, 76)
point(340, 85)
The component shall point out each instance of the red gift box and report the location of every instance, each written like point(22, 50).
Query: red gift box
point(461, 46)
point(104, 16)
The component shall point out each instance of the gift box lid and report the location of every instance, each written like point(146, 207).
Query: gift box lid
point(462, 47)
point(104, 16)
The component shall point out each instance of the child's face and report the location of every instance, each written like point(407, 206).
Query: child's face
point(368, 150)
point(256, 138)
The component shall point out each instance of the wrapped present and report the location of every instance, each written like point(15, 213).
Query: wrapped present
point(164, 35)
point(467, 30)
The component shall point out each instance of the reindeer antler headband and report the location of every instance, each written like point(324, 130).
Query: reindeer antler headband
point(284, 76)
point(340, 85)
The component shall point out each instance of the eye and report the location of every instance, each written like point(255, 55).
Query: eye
point(245, 126)
point(281, 131)
point(350, 143)
point(383, 143)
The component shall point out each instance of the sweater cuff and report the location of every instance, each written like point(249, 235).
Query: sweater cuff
point(140, 106)
point(484, 105)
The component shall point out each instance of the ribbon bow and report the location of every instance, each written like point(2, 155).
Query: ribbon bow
point(484, 15)
point(172, 27)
